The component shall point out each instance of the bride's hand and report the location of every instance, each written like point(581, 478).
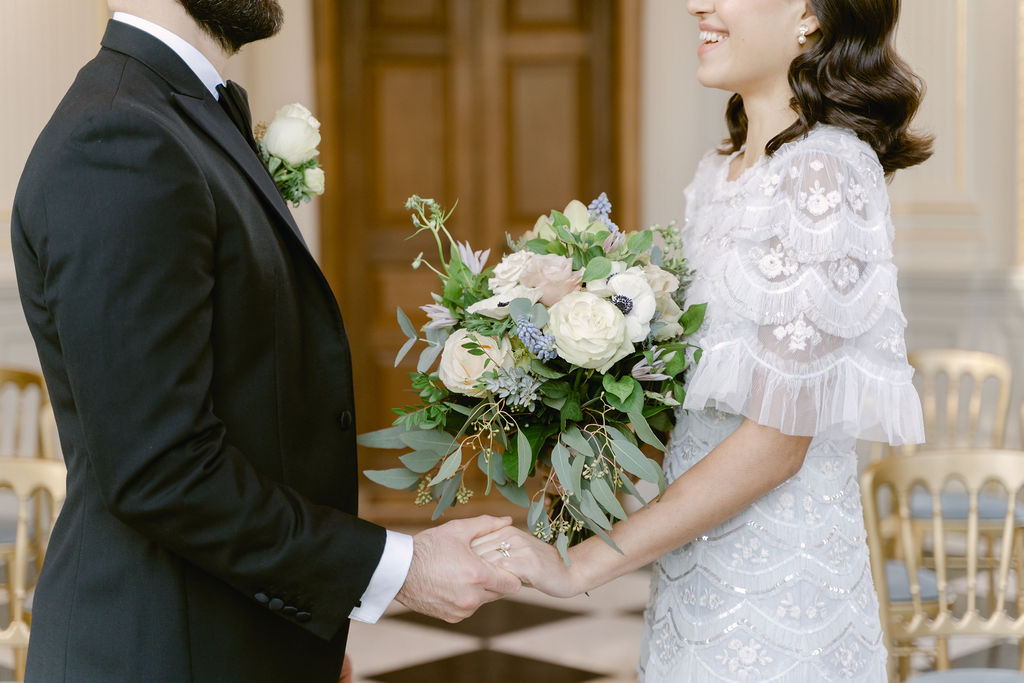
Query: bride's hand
point(536, 563)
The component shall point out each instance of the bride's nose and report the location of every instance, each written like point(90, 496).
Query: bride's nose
point(698, 7)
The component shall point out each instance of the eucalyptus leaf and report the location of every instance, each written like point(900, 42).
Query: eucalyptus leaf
point(525, 454)
point(632, 490)
point(631, 459)
point(576, 441)
point(406, 325)
point(459, 408)
point(562, 544)
point(447, 496)
point(643, 430)
point(539, 315)
point(402, 352)
point(448, 468)
point(515, 494)
point(398, 478)
point(492, 466)
point(389, 437)
point(560, 461)
point(578, 463)
point(519, 308)
point(590, 508)
point(535, 514)
point(436, 440)
point(420, 461)
point(603, 493)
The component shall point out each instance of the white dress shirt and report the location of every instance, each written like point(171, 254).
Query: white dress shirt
point(390, 574)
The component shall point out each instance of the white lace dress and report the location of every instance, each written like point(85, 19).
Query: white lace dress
point(803, 333)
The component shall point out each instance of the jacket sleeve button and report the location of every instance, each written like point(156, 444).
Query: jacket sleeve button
point(261, 598)
point(345, 420)
point(275, 604)
point(303, 617)
point(288, 611)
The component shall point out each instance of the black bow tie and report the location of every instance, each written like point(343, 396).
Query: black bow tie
point(235, 102)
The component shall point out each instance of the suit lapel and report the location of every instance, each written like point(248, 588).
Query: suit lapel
point(208, 115)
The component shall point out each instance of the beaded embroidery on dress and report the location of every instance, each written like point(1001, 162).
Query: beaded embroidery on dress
point(803, 332)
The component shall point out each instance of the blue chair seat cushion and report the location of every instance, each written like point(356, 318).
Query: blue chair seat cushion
point(899, 582)
point(955, 505)
point(971, 676)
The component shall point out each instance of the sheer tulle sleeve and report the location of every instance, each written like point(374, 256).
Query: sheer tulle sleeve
point(811, 339)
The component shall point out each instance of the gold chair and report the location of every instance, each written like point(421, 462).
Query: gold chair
point(976, 470)
point(960, 366)
point(26, 477)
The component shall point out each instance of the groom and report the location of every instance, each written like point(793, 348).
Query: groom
point(200, 375)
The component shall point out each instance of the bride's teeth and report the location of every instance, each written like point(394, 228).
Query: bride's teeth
point(711, 37)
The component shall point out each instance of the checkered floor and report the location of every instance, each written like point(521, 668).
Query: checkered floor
point(531, 637)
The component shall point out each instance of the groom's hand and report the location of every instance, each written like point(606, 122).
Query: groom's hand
point(447, 579)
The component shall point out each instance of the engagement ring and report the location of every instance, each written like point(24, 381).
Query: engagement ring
point(504, 547)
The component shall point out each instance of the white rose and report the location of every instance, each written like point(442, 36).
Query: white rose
point(460, 370)
point(589, 331)
point(314, 179)
point(635, 298)
point(668, 313)
point(660, 280)
point(497, 306)
point(507, 273)
point(293, 135)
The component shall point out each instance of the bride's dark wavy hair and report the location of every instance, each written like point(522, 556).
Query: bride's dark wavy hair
point(851, 77)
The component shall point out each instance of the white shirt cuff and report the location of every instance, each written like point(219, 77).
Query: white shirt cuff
point(387, 579)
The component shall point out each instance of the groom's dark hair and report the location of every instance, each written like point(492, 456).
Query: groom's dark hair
point(234, 23)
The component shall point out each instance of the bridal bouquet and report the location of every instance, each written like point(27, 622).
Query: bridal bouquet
point(556, 364)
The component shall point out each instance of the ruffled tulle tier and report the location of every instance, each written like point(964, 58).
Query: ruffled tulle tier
point(843, 395)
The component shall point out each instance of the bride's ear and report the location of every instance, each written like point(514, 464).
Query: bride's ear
point(809, 19)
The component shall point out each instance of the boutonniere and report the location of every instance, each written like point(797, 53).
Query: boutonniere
point(288, 148)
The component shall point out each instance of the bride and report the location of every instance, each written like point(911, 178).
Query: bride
point(761, 566)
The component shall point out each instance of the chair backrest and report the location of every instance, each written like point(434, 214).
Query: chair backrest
point(958, 366)
point(25, 477)
point(23, 401)
point(973, 470)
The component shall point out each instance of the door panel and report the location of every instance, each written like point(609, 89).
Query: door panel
point(506, 106)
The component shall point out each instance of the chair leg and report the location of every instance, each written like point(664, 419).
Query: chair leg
point(942, 653)
point(903, 667)
point(20, 660)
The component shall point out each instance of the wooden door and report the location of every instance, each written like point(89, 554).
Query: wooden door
point(509, 107)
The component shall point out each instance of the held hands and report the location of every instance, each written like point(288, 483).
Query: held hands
point(446, 579)
point(536, 563)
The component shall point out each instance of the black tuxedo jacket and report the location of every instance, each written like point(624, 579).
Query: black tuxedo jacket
point(200, 375)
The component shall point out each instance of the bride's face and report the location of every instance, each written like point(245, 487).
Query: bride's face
point(748, 45)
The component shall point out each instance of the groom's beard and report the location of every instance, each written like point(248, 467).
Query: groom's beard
point(234, 23)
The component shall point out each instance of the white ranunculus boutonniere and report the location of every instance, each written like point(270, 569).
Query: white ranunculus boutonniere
point(288, 147)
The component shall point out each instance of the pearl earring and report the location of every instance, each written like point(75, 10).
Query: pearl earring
point(803, 35)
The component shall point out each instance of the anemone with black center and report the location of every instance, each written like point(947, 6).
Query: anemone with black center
point(623, 303)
